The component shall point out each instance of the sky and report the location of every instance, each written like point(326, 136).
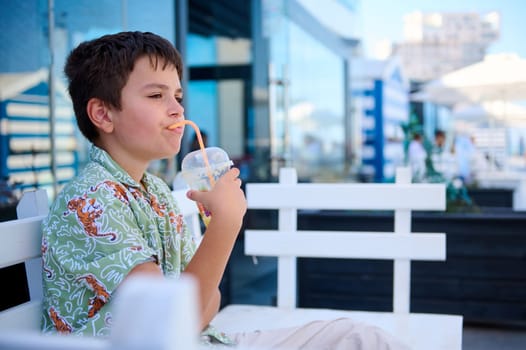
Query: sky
point(382, 20)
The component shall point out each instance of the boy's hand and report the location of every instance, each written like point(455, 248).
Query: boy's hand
point(227, 204)
point(226, 201)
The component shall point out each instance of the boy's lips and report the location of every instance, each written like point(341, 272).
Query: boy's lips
point(177, 127)
point(177, 130)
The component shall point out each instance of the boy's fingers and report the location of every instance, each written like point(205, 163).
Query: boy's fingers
point(232, 173)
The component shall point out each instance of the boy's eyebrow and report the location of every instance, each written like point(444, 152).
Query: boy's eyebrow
point(161, 86)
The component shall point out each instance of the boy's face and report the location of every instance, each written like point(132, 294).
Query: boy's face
point(151, 102)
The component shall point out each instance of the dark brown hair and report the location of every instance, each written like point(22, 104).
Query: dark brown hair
point(101, 67)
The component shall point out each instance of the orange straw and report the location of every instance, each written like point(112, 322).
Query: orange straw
point(201, 145)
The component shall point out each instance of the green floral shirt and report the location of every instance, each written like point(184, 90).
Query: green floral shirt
point(99, 228)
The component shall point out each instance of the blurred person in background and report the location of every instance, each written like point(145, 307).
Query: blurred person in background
point(465, 152)
point(478, 161)
point(417, 157)
point(442, 159)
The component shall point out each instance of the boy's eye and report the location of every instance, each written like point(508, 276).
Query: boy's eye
point(179, 99)
point(156, 96)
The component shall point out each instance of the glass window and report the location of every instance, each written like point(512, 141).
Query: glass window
point(315, 104)
point(317, 132)
point(201, 50)
point(202, 109)
point(26, 149)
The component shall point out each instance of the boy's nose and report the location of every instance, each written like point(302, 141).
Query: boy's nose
point(176, 108)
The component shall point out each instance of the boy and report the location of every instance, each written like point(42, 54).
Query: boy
point(116, 220)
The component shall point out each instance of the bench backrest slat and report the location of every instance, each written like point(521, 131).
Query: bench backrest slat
point(356, 245)
point(347, 196)
point(20, 240)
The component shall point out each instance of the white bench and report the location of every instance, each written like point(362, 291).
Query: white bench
point(190, 212)
point(137, 307)
point(419, 330)
point(20, 241)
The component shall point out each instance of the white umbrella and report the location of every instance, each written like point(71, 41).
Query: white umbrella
point(505, 113)
point(497, 77)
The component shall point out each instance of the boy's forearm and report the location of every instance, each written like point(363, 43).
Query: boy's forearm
point(209, 263)
point(211, 309)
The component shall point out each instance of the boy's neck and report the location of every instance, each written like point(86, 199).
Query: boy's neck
point(132, 166)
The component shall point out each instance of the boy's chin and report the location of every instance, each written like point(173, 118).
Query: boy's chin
point(169, 154)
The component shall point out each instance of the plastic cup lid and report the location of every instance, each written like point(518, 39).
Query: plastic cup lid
point(194, 160)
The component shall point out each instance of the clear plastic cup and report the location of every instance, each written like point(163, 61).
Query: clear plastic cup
point(198, 175)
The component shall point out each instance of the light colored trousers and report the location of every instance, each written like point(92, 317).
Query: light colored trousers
point(338, 334)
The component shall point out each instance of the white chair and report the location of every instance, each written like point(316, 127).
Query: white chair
point(144, 317)
point(20, 242)
point(419, 330)
point(190, 212)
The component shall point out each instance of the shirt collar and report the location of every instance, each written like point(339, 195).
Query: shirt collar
point(101, 157)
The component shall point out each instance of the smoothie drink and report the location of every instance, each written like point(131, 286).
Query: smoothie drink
point(202, 176)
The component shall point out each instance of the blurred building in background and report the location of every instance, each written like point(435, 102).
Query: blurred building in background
point(381, 107)
point(438, 43)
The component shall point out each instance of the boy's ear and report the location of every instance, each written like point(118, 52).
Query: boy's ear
point(100, 115)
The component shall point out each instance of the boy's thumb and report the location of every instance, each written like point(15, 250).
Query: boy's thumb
point(193, 195)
